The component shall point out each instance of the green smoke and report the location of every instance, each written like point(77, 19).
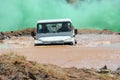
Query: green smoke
point(85, 14)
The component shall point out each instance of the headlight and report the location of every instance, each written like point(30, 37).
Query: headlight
point(38, 41)
point(69, 39)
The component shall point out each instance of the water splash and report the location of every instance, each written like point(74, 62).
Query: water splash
point(88, 14)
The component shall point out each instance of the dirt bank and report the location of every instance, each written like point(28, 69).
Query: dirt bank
point(14, 67)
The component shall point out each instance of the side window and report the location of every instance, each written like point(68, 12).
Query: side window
point(69, 24)
point(39, 27)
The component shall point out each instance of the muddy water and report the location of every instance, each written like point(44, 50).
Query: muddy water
point(92, 51)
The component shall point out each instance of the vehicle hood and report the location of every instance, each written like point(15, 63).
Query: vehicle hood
point(54, 38)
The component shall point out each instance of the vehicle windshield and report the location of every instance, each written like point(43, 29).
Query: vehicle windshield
point(54, 27)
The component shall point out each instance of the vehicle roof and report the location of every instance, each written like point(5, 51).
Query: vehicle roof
point(54, 20)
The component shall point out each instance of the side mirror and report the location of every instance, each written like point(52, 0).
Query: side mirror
point(33, 34)
point(76, 31)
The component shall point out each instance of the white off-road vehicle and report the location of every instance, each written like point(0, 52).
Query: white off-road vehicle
point(55, 31)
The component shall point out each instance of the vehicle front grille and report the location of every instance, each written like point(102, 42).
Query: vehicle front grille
point(52, 42)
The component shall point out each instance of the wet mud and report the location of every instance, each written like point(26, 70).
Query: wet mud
point(93, 50)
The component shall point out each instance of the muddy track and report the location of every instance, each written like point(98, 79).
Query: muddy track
point(93, 50)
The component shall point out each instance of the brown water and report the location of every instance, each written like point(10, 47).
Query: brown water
point(92, 51)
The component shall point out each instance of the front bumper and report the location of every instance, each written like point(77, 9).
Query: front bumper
point(72, 40)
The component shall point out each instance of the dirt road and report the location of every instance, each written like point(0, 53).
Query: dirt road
point(92, 51)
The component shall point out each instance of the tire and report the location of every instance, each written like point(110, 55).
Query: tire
point(72, 43)
point(35, 44)
point(75, 42)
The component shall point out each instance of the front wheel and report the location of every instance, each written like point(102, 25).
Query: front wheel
point(36, 44)
point(72, 43)
point(75, 42)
